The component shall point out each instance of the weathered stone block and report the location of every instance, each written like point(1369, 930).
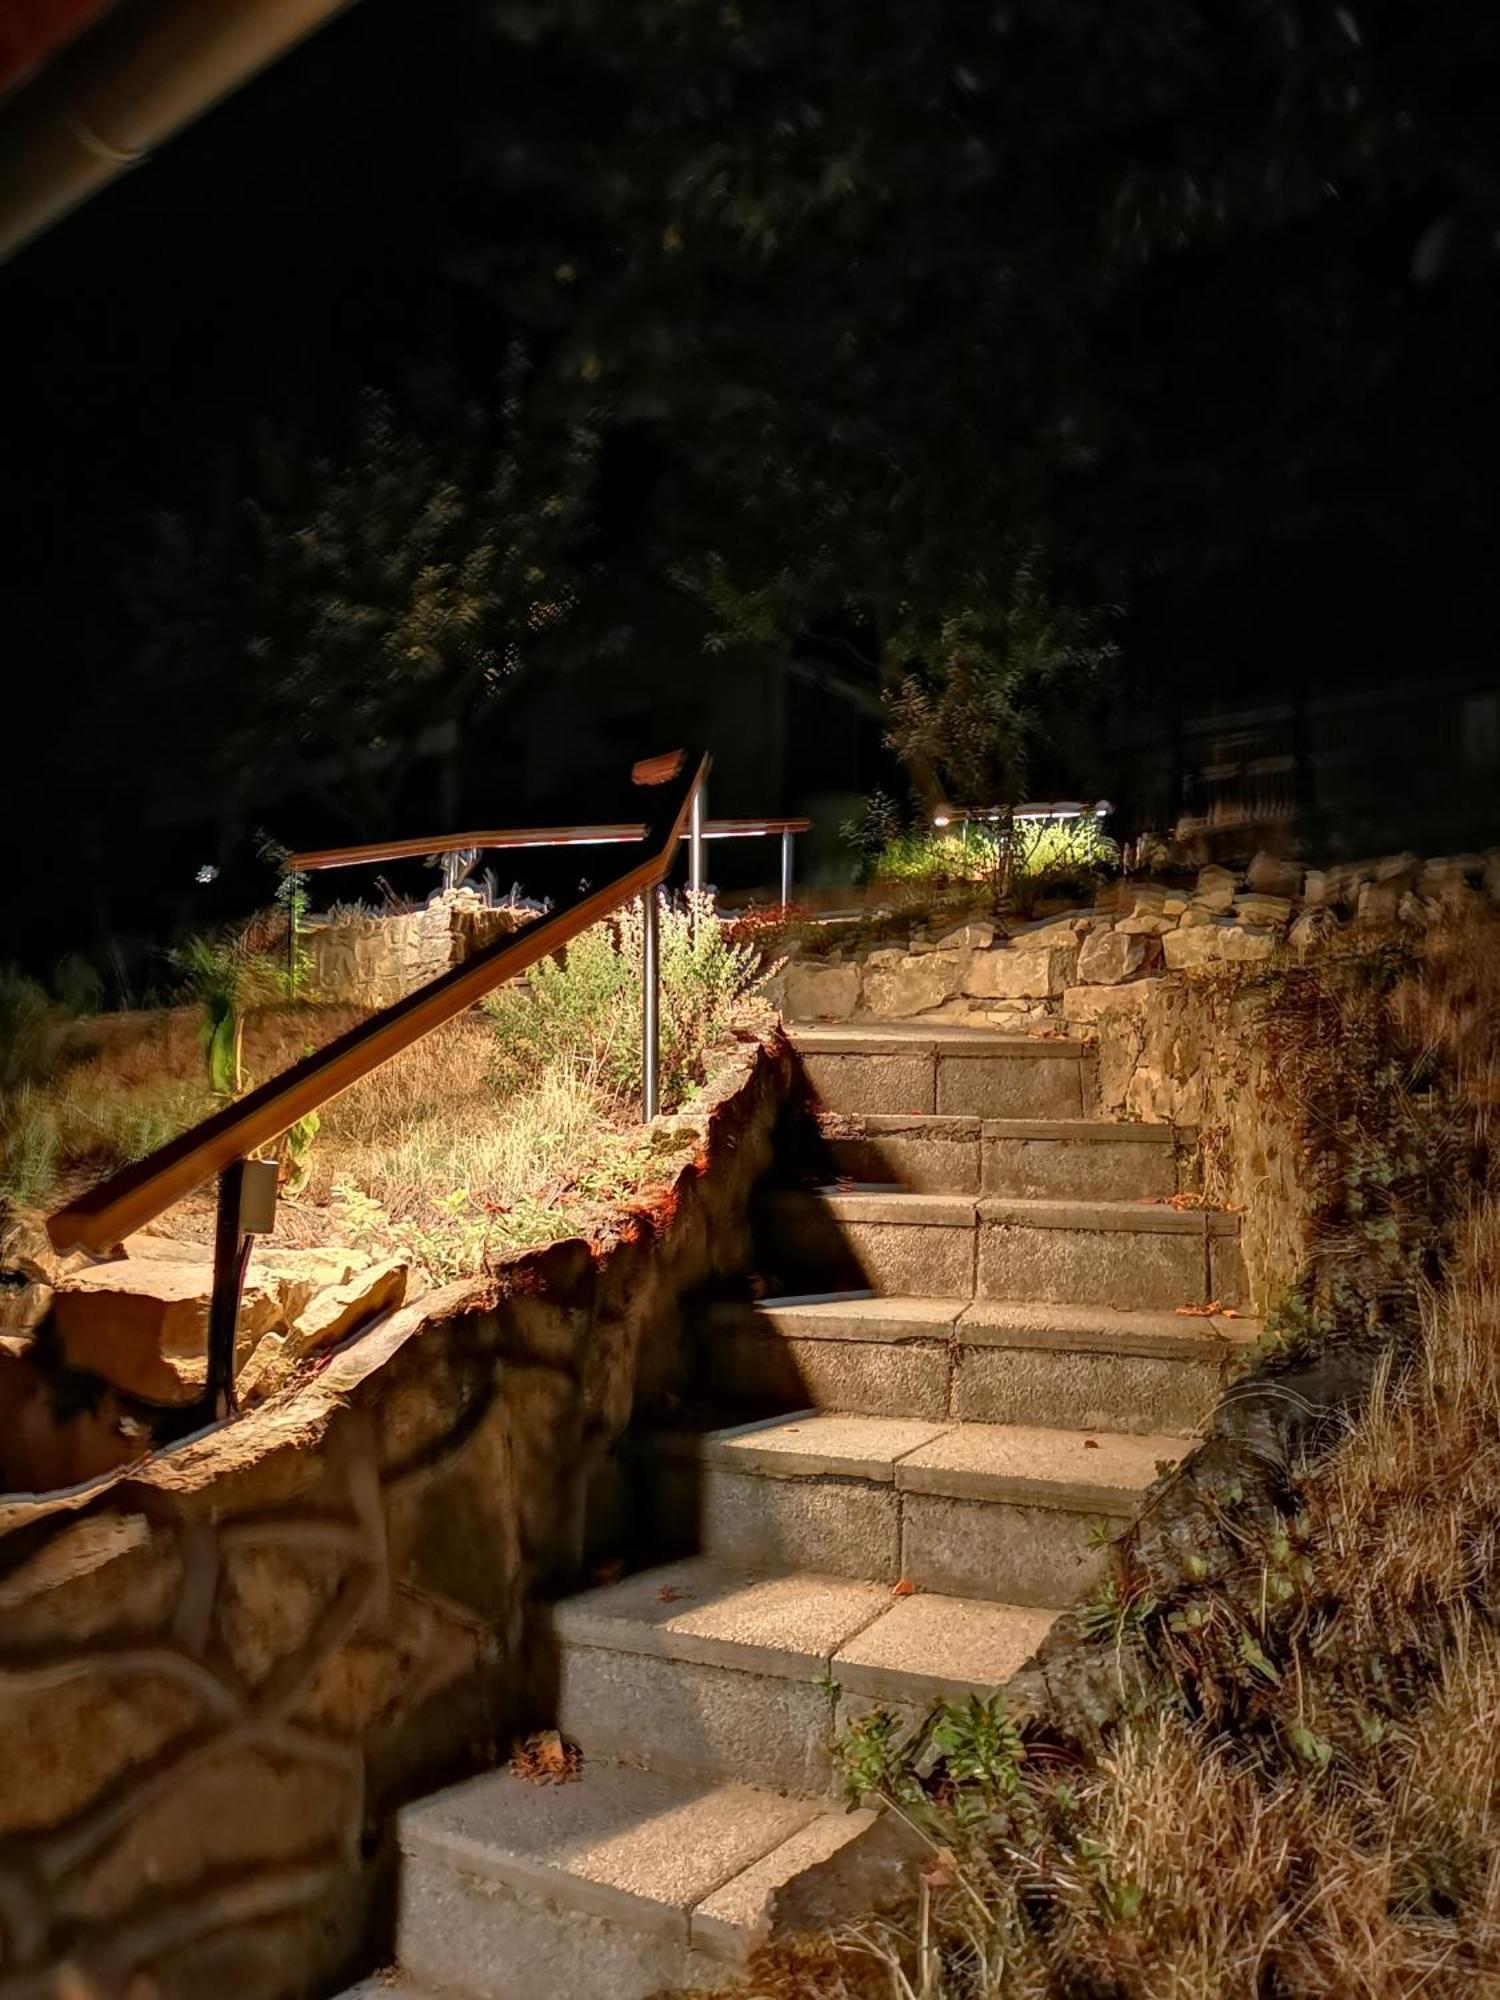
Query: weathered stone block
point(1017, 1553)
point(839, 1527)
point(1108, 957)
point(911, 1154)
point(1272, 875)
point(814, 992)
point(1217, 944)
point(923, 1260)
point(968, 937)
point(1135, 1269)
point(1065, 1390)
point(1011, 972)
point(1020, 1086)
point(688, 1716)
point(898, 1083)
point(910, 986)
point(144, 1325)
point(1081, 1169)
point(879, 1379)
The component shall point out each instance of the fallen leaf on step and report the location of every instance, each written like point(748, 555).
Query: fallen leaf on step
point(547, 1758)
point(669, 1593)
point(1212, 1310)
point(905, 1588)
point(1091, 1444)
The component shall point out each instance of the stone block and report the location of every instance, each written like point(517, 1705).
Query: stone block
point(1146, 925)
point(1025, 1085)
point(1087, 1006)
point(1089, 1167)
point(930, 1156)
point(1273, 875)
point(875, 1082)
point(833, 1526)
point(968, 937)
point(1072, 1390)
point(143, 1326)
point(1134, 1269)
point(583, 1889)
point(1109, 957)
point(925, 1259)
point(814, 992)
point(330, 1315)
point(1252, 909)
point(1019, 1553)
point(1379, 903)
point(911, 986)
point(1015, 972)
point(1217, 944)
point(774, 1372)
point(685, 1716)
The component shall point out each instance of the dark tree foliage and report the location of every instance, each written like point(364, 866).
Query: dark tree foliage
point(350, 601)
point(886, 293)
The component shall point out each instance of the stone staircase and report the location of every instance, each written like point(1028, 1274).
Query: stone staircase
point(972, 1360)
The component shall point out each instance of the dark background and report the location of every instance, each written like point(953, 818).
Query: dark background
point(300, 242)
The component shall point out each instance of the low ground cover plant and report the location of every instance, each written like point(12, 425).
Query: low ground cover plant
point(1003, 866)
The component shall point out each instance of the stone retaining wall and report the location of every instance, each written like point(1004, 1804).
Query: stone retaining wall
point(372, 960)
point(221, 1670)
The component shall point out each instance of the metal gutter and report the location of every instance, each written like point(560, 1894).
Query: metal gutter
point(127, 87)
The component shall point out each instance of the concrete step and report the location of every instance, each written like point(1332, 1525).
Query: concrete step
point(1141, 1255)
point(1085, 1159)
point(999, 1511)
point(699, 1666)
point(1063, 1367)
point(970, 1072)
point(1146, 1256)
point(619, 1885)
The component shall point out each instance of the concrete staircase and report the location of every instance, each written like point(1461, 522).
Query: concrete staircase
point(972, 1362)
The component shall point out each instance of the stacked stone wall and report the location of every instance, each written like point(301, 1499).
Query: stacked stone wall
point(221, 1669)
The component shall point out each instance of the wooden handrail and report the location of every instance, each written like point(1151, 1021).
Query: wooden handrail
point(521, 836)
point(138, 1193)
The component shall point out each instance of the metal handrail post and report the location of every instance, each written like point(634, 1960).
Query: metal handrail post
point(650, 1003)
point(231, 1259)
point(695, 851)
point(786, 866)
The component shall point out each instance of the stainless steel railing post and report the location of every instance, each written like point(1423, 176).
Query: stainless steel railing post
point(786, 867)
point(650, 1003)
point(695, 843)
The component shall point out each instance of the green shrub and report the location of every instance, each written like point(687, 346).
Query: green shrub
point(77, 985)
point(1045, 857)
point(27, 1030)
point(582, 1009)
point(224, 975)
point(29, 1147)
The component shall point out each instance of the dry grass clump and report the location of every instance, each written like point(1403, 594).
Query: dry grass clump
point(509, 1127)
point(433, 1157)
